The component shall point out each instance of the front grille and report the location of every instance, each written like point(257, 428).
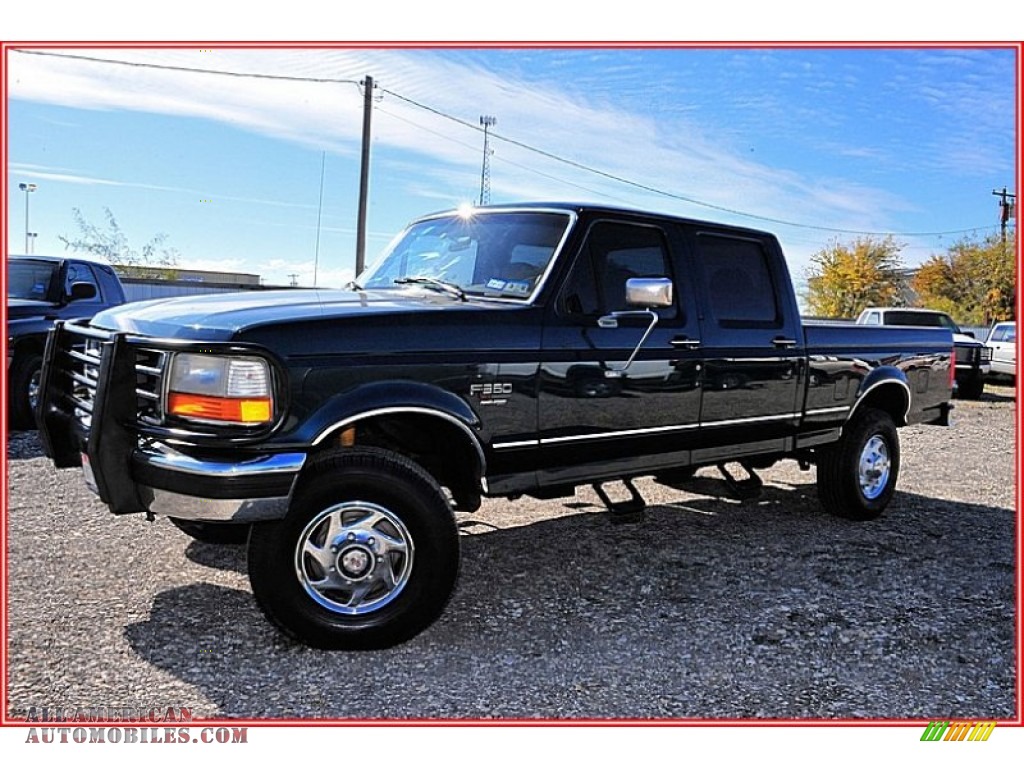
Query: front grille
point(83, 355)
point(972, 355)
point(150, 365)
point(83, 368)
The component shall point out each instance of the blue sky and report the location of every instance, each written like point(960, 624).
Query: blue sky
point(894, 140)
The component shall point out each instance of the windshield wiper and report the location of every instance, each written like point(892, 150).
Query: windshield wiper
point(433, 282)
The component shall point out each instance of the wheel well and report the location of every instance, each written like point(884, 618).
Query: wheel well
point(30, 345)
point(891, 396)
point(439, 446)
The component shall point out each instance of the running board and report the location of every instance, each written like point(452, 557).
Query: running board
point(628, 511)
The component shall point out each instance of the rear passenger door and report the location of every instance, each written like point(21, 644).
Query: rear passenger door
point(751, 341)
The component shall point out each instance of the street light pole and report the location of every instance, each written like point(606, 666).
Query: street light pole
point(27, 189)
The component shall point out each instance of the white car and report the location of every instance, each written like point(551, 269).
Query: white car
point(1002, 340)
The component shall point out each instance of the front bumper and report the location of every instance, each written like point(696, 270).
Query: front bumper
point(173, 483)
point(89, 413)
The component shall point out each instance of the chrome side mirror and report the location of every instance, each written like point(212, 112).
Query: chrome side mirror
point(649, 292)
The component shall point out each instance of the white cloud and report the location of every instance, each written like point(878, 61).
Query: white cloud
point(676, 157)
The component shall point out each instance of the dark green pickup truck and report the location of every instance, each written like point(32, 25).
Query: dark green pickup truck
point(505, 351)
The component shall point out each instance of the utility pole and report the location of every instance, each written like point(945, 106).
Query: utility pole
point(364, 175)
point(1007, 210)
point(485, 171)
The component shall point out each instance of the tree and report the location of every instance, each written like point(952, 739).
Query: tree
point(111, 243)
point(843, 278)
point(974, 281)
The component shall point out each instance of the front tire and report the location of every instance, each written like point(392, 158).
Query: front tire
point(25, 374)
point(367, 556)
point(857, 476)
point(972, 388)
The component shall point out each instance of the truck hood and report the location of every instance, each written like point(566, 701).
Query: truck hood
point(966, 341)
point(213, 317)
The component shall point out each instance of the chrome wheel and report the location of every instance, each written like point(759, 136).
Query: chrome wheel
point(354, 558)
point(33, 388)
point(874, 467)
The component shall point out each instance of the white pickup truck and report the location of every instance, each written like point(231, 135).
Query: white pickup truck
point(1002, 340)
point(973, 358)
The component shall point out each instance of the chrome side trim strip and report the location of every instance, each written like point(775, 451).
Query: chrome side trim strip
point(516, 444)
point(409, 409)
point(644, 431)
point(820, 411)
point(751, 420)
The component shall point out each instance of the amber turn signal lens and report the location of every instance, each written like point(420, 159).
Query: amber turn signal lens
point(233, 410)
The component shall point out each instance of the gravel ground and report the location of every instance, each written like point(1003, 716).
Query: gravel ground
point(706, 608)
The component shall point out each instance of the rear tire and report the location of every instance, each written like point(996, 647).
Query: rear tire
point(367, 556)
point(857, 476)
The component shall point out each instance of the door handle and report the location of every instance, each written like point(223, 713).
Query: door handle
point(685, 343)
point(783, 343)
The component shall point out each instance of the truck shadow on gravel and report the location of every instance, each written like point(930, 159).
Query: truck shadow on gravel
point(24, 445)
point(705, 608)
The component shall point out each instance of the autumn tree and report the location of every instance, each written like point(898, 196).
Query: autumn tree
point(844, 278)
point(110, 242)
point(975, 281)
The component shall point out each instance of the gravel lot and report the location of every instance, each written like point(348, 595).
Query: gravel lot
point(707, 608)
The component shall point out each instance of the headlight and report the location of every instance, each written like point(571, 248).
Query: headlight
point(220, 390)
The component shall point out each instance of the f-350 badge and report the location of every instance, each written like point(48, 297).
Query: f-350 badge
point(494, 393)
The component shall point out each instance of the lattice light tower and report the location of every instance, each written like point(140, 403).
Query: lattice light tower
point(485, 171)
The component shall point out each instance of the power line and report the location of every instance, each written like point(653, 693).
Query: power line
point(501, 160)
point(514, 142)
point(665, 193)
point(192, 70)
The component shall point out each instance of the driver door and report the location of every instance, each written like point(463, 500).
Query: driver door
point(597, 407)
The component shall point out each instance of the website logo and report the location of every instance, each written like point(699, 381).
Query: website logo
point(958, 730)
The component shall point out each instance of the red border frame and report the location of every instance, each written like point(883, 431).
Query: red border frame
point(7, 47)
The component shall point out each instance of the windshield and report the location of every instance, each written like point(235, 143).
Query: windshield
point(28, 279)
point(497, 254)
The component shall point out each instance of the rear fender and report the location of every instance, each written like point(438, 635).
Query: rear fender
point(885, 388)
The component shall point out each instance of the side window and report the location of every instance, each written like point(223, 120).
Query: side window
point(739, 283)
point(612, 254)
point(873, 319)
point(81, 273)
point(1004, 333)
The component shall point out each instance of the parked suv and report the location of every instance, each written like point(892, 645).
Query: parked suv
point(1002, 341)
point(973, 358)
point(40, 291)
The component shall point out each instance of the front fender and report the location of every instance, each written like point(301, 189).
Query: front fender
point(380, 397)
